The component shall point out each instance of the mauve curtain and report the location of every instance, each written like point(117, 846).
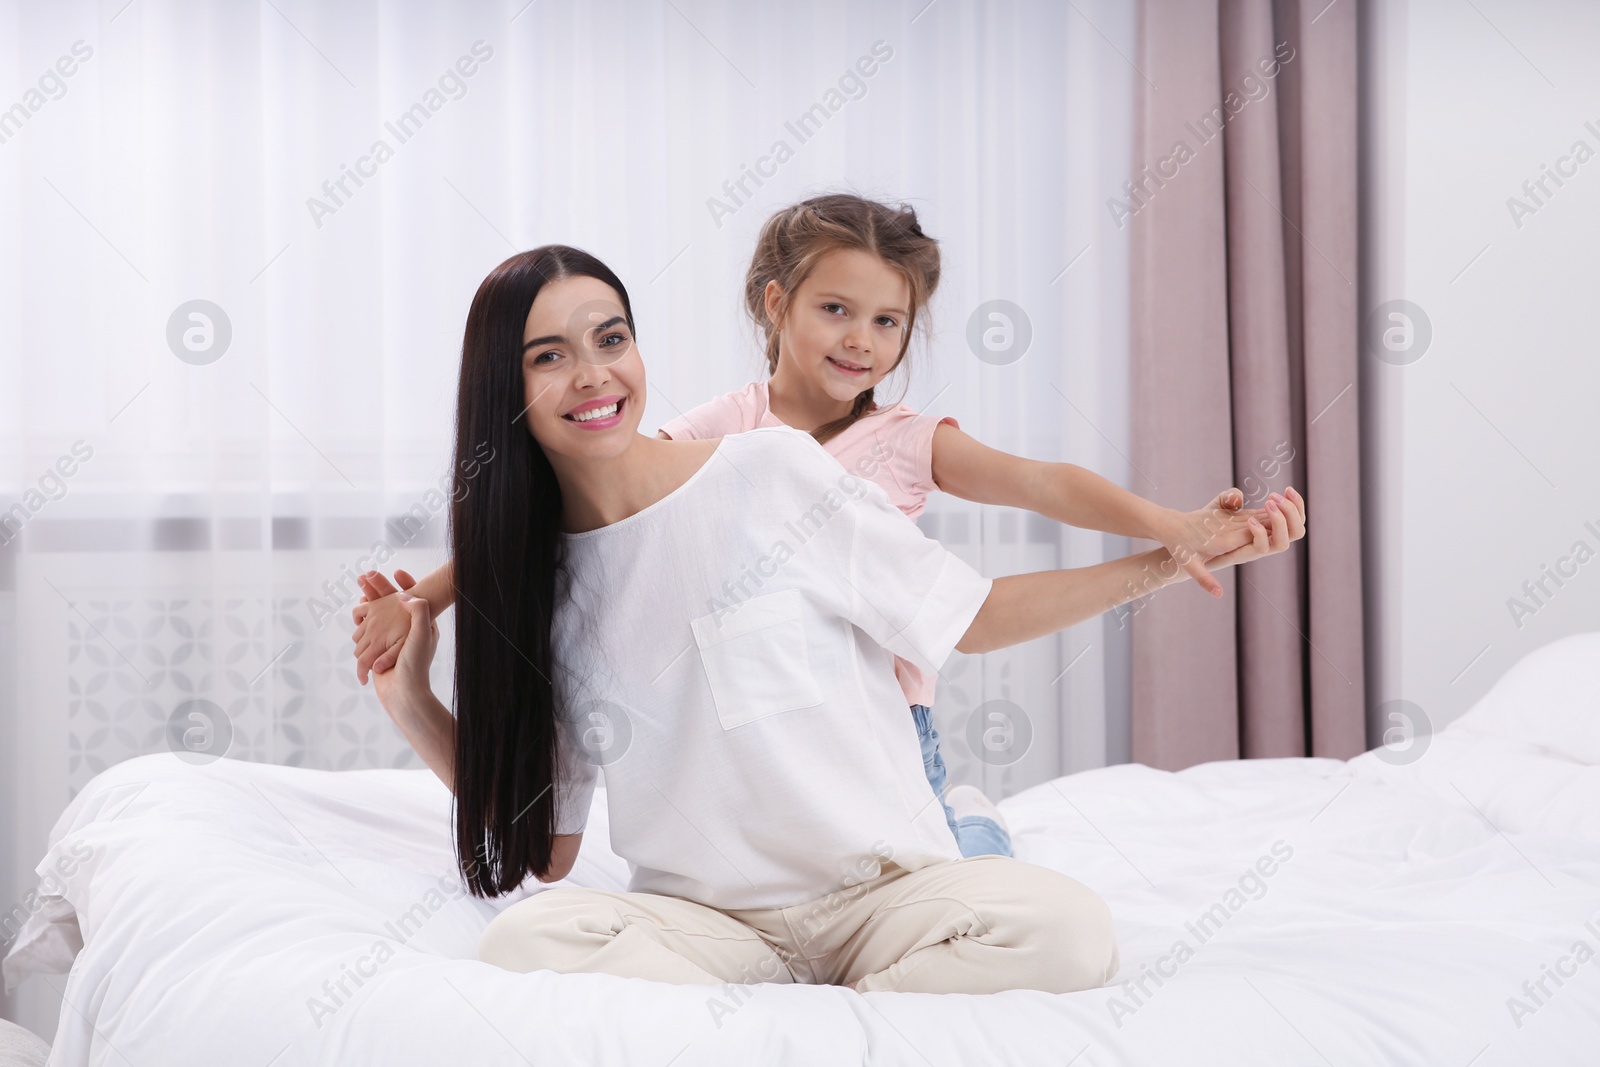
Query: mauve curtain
point(1242, 213)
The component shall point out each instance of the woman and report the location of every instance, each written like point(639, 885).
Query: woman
point(713, 624)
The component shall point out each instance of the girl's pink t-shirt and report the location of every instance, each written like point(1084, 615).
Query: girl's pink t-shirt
point(893, 446)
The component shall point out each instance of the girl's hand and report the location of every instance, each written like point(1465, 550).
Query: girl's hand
point(1286, 523)
point(1195, 537)
point(381, 623)
point(397, 688)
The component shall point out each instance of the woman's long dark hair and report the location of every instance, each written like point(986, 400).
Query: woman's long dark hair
point(505, 540)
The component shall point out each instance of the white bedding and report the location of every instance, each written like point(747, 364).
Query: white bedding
point(1406, 906)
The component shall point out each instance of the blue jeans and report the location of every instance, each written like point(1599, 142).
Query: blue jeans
point(975, 834)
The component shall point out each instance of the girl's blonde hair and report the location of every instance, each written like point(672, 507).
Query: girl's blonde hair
point(795, 239)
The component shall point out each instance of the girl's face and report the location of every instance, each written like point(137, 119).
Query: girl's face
point(845, 324)
point(582, 377)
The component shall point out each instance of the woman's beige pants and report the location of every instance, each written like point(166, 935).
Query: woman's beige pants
point(976, 925)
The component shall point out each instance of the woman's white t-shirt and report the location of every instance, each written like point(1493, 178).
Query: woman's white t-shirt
point(726, 658)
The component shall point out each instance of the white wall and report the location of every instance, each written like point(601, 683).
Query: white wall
point(1481, 455)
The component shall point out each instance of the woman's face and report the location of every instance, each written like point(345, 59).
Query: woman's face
point(844, 327)
point(582, 376)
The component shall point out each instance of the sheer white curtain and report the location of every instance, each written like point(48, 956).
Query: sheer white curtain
point(239, 242)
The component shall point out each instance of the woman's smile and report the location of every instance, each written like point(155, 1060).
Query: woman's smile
point(599, 414)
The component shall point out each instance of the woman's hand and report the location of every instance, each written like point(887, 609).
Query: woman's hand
point(1195, 537)
point(398, 688)
point(404, 691)
point(1286, 523)
point(381, 622)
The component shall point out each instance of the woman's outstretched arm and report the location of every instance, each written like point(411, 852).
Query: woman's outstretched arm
point(407, 695)
point(1021, 607)
point(428, 726)
point(1074, 496)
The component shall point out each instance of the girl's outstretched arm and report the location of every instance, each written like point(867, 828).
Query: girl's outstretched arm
point(966, 467)
point(1021, 607)
point(438, 587)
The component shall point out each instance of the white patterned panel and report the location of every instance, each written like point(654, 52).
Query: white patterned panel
point(289, 692)
point(108, 655)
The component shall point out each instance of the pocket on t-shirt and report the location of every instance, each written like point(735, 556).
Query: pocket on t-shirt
point(755, 658)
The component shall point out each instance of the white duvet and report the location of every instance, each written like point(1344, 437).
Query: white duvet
point(1444, 910)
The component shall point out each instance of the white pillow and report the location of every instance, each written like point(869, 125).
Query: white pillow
point(21, 1048)
point(1550, 698)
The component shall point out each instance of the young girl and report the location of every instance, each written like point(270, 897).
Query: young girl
point(837, 284)
point(762, 783)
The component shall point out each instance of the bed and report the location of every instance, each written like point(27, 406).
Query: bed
point(1423, 903)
